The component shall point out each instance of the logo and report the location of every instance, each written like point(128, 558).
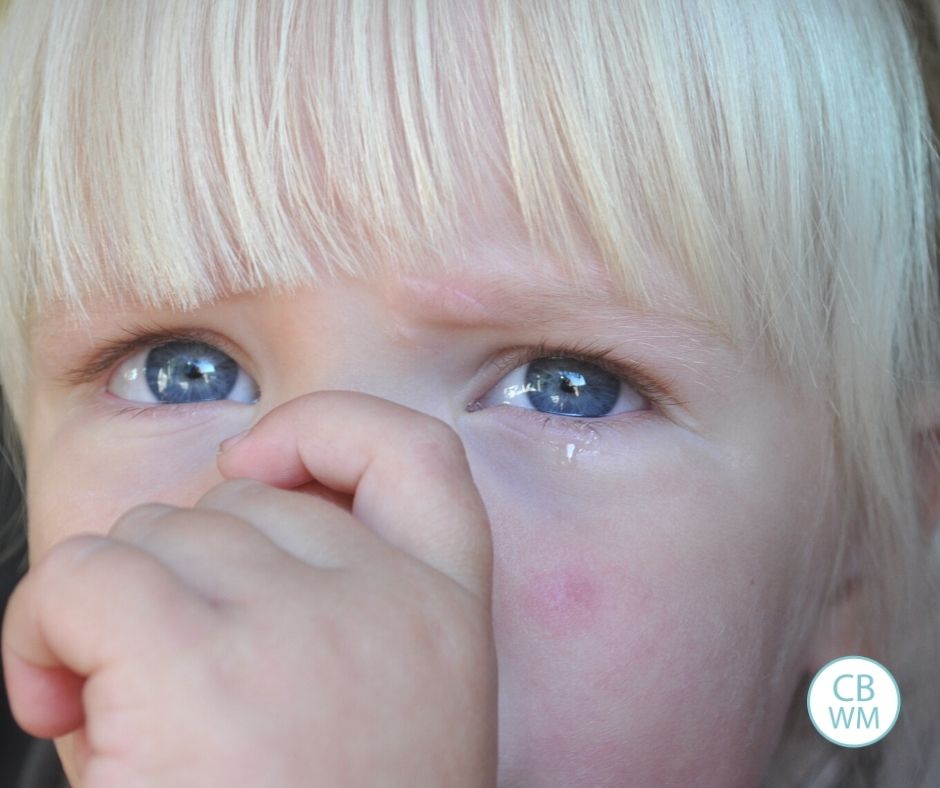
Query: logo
point(853, 701)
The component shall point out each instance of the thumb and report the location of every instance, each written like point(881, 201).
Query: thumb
point(407, 473)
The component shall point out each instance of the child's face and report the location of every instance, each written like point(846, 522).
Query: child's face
point(648, 571)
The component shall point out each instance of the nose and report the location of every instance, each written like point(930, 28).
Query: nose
point(358, 335)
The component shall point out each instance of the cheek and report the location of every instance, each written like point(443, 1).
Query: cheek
point(635, 635)
point(563, 603)
point(622, 673)
point(572, 600)
point(77, 484)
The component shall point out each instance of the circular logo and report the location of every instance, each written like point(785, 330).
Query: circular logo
point(853, 701)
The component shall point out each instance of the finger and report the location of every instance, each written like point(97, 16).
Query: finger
point(46, 702)
point(407, 472)
point(218, 554)
point(89, 602)
point(310, 528)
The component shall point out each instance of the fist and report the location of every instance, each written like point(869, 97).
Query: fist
point(270, 636)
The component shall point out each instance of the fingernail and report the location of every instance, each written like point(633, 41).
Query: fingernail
point(228, 443)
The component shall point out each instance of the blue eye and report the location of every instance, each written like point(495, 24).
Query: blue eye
point(568, 387)
point(182, 372)
point(565, 386)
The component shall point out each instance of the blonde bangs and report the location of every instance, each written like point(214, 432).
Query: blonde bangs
point(175, 150)
point(176, 153)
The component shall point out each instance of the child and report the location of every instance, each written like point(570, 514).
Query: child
point(588, 357)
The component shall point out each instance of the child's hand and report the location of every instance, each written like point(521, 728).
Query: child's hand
point(271, 637)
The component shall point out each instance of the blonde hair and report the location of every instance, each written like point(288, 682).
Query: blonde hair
point(779, 155)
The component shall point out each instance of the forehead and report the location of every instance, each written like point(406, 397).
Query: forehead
point(496, 282)
point(282, 158)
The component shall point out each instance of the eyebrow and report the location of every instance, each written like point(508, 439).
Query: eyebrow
point(470, 302)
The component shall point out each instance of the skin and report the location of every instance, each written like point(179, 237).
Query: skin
point(648, 574)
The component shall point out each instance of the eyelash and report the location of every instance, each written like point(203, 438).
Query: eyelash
point(138, 337)
point(657, 391)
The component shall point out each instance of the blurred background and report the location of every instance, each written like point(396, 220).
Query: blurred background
point(13, 741)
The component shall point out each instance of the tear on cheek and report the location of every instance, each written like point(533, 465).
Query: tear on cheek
point(563, 602)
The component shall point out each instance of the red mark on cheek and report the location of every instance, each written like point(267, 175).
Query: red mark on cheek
point(562, 602)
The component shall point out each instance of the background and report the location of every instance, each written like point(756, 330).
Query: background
point(12, 565)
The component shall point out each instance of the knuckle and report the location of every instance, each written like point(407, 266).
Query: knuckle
point(438, 450)
point(72, 555)
point(439, 437)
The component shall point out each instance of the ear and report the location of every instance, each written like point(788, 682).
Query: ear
point(927, 456)
point(840, 631)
